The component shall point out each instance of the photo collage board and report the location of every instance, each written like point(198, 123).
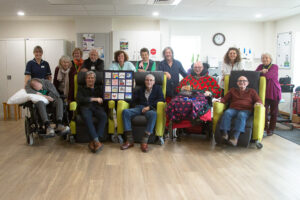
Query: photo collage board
point(118, 85)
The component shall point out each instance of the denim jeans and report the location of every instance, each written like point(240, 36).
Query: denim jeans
point(128, 114)
point(240, 121)
point(87, 114)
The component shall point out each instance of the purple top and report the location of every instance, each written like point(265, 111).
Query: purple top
point(273, 89)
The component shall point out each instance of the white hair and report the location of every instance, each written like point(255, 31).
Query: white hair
point(268, 55)
point(150, 75)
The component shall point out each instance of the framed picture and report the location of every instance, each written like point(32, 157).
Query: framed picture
point(118, 85)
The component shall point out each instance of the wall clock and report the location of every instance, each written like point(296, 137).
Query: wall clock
point(219, 39)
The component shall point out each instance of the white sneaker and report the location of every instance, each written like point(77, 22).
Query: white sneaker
point(62, 129)
point(50, 132)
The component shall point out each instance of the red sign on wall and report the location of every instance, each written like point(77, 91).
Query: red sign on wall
point(153, 51)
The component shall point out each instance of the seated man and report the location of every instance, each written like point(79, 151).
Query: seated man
point(145, 99)
point(90, 102)
point(242, 101)
point(46, 88)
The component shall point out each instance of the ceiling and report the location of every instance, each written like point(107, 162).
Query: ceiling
point(244, 10)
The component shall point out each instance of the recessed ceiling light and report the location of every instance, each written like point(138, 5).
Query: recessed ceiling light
point(258, 15)
point(21, 13)
point(155, 13)
point(176, 2)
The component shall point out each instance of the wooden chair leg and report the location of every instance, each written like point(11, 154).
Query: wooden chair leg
point(19, 112)
point(16, 112)
point(8, 111)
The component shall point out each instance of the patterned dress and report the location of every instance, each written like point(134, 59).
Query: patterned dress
point(192, 106)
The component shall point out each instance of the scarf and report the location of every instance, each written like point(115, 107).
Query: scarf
point(78, 64)
point(141, 65)
point(63, 77)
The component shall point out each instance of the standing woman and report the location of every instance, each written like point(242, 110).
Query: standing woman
point(37, 67)
point(62, 75)
point(273, 90)
point(145, 64)
point(121, 62)
point(232, 62)
point(77, 61)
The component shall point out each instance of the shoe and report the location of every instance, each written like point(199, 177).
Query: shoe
point(144, 147)
point(270, 133)
point(98, 146)
point(62, 130)
point(233, 142)
point(92, 146)
point(50, 132)
point(225, 136)
point(126, 145)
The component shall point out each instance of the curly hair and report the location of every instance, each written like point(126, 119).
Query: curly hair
point(117, 53)
point(238, 57)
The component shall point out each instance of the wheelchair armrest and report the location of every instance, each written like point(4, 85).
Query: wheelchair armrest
point(258, 122)
point(73, 106)
point(122, 105)
point(218, 109)
point(111, 104)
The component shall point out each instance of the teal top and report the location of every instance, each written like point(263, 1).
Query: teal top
point(145, 64)
point(43, 92)
point(128, 66)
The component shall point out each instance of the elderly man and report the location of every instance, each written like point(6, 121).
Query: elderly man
point(172, 68)
point(90, 102)
point(242, 101)
point(145, 99)
point(47, 89)
point(93, 63)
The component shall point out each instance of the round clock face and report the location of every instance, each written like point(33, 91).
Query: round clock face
point(219, 39)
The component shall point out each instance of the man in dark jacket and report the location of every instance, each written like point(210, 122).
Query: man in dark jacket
point(90, 102)
point(93, 63)
point(145, 100)
point(47, 89)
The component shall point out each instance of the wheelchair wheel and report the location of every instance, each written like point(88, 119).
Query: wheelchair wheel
point(259, 145)
point(29, 134)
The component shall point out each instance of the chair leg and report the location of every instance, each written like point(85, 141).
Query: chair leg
point(4, 111)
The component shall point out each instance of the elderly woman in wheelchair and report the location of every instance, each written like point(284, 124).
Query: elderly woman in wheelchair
point(192, 105)
point(41, 112)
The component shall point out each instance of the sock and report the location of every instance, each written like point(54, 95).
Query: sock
point(145, 138)
point(129, 136)
point(96, 139)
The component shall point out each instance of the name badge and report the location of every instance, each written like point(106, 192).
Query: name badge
point(42, 66)
point(93, 67)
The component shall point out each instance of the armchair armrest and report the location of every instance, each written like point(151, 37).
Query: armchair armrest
point(218, 109)
point(111, 104)
point(73, 106)
point(161, 118)
point(122, 105)
point(258, 122)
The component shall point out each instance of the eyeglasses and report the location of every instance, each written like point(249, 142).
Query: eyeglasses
point(242, 81)
point(149, 80)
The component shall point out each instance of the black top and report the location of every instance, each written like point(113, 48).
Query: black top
point(98, 65)
point(35, 70)
point(155, 96)
point(85, 94)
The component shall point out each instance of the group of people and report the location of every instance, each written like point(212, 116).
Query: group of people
point(38, 80)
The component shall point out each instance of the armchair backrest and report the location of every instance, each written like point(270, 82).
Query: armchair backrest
point(256, 82)
point(160, 79)
point(79, 80)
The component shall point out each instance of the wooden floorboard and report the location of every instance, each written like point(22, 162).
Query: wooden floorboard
point(191, 169)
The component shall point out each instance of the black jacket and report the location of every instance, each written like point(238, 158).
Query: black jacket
point(98, 65)
point(85, 94)
point(155, 96)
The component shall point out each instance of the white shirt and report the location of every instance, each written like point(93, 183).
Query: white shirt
point(226, 69)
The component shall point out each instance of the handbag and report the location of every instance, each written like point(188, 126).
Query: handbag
point(285, 80)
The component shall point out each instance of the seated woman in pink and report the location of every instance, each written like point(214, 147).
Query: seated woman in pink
point(193, 100)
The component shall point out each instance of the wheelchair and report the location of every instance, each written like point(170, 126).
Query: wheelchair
point(34, 127)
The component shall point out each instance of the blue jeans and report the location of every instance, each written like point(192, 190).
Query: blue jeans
point(128, 114)
point(87, 114)
point(240, 121)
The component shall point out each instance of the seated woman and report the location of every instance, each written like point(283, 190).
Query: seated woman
point(62, 76)
point(90, 102)
point(192, 102)
point(145, 64)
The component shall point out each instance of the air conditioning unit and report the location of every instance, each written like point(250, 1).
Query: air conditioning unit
point(164, 2)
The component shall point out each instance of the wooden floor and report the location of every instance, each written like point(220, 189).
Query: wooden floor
point(190, 169)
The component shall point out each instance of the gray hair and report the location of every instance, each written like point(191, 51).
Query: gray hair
point(267, 54)
point(64, 58)
point(150, 75)
point(93, 50)
point(89, 73)
point(168, 48)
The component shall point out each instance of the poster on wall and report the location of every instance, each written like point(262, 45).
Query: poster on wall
point(118, 85)
point(284, 47)
point(88, 41)
point(123, 44)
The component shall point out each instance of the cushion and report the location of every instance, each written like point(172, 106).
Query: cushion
point(139, 77)
point(139, 120)
point(252, 76)
point(22, 96)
